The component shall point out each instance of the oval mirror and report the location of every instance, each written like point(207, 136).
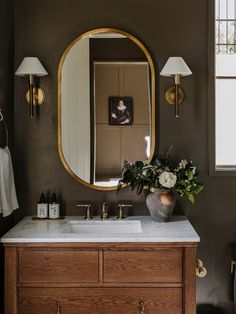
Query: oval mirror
point(106, 106)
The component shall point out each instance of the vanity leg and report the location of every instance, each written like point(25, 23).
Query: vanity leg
point(10, 281)
point(189, 268)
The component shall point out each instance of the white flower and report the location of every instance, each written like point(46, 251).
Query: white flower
point(144, 173)
point(152, 190)
point(183, 164)
point(167, 179)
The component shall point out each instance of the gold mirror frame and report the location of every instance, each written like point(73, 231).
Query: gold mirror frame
point(153, 99)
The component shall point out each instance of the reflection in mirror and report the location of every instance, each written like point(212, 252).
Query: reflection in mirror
point(105, 107)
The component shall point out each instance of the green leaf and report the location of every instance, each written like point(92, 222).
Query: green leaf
point(191, 198)
point(198, 189)
point(139, 189)
point(190, 176)
point(139, 164)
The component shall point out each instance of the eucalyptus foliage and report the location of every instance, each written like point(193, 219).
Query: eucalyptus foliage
point(146, 176)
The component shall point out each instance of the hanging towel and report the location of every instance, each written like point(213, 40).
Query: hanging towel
point(235, 290)
point(8, 199)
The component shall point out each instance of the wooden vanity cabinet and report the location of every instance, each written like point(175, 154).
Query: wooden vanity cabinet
point(100, 278)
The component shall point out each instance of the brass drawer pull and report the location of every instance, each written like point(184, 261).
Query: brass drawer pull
point(58, 309)
point(142, 307)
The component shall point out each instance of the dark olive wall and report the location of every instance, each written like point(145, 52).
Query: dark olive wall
point(115, 49)
point(167, 28)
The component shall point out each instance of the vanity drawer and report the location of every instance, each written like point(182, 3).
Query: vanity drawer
point(143, 266)
point(58, 266)
point(100, 300)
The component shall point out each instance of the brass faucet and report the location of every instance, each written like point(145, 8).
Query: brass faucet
point(121, 207)
point(104, 211)
point(88, 215)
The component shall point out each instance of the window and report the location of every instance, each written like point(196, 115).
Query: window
point(225, 84)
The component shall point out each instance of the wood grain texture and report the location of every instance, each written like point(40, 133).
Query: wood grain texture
point(101, 278)
point(51, 266)
point(100, 300)
point(101, 265)
point(140, 266)
point(104, 285)
point(11, 273)
point(190, 281)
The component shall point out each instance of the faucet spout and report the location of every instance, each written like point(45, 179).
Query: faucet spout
point(88, 215)
point(104, 211)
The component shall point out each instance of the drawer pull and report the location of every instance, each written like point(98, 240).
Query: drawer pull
point(142, 307)
point(58, 309)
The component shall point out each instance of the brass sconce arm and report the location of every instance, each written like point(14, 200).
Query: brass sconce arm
point(177, 83)
point(31, 100)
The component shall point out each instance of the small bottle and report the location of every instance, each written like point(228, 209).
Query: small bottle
point(42, 207)
point(54, 207)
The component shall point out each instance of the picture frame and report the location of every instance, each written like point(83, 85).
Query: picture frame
point(120, 111)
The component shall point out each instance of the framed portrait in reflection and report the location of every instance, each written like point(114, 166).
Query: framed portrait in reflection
point(120, 110)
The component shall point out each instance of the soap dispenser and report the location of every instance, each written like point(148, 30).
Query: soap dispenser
point(42, 207)
point(54, 207)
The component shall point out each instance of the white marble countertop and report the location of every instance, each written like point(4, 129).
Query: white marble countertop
point(27, 230)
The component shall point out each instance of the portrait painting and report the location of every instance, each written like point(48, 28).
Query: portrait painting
point(120, 110)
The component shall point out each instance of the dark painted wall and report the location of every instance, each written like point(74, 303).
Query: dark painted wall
point(6, 102)
point(167, 28)
point(115, 48)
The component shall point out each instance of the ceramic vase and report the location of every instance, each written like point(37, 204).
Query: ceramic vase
point(161, 204)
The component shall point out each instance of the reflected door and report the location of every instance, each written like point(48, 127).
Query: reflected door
point(128, 141)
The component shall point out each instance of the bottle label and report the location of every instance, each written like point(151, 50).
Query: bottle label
point(42, 210)
point(54, 210)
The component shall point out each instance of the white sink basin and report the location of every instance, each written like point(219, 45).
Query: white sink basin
point(103, 227)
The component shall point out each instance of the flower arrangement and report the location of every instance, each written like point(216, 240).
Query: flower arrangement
point(162, 173)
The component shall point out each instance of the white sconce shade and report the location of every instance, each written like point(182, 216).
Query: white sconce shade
point(31, 66)
point(175, 66)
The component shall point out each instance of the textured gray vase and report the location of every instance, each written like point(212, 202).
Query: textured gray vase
point(161, 204)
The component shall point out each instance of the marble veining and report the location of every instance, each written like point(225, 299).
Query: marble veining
point(178, 229)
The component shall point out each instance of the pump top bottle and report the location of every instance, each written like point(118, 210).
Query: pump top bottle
point(54, 208)
point(42, 207)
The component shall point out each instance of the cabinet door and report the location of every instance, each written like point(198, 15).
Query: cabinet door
point(100, 300)
point(143, 267)
point(58, 266)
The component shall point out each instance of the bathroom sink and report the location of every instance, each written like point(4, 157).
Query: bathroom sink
point(103, 227)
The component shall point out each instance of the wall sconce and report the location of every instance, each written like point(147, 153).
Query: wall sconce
point(176, 67)
point(31, 67)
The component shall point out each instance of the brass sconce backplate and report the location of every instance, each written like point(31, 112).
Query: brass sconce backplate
point(38, 96)
point(170, 95)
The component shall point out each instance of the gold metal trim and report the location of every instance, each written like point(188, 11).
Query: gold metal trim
point(201, 271)
point(170, 95)
point(1, 115)
point(153, 99)
point(38, 96)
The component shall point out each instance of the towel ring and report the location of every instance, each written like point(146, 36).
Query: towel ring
point(5, 125)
